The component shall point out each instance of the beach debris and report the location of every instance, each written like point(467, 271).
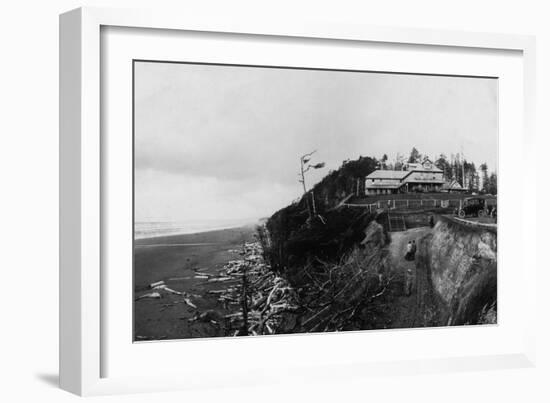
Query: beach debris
point(206, 316)
point(190, 303)
point(171, 291)
point(217, 291)
point(160, 285)
point(154, 285)
point(262, 302)
point(202, 276)
point(153, 295)
point(267, 298)
point(163, 287)
point(216, 279)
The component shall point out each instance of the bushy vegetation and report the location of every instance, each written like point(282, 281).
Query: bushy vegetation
point(347, 180)
point(296, 240)
point(340, 294)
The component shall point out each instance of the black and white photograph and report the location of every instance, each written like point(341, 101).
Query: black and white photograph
point(272, 200)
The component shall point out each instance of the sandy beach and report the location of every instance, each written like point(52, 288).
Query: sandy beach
point(179, 260)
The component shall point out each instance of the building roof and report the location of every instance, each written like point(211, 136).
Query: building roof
point(387, 174)
point(426, 166)
point(453, 185)
point(414, 165)
point(426, 180)
point(383, 185)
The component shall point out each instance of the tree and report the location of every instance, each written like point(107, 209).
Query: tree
point(456, 164)
point(484, 177)
point(470, 175)
point(445, 166)
point(348, 179)
point(492, 186)
point(399, 162)
point(415, 156)
point(384, 161)
point(304, 167)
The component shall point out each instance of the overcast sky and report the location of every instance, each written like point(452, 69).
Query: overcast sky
point(223, 142)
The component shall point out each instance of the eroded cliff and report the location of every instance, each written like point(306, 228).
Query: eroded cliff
point(462, 261)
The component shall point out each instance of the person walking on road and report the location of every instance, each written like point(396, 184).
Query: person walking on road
point(409, 277)
point(408, 254)
point(409, 272)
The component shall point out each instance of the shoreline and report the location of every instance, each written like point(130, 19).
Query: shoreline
point(252, 223)
point(173, 244)
point(150, 240)
point(182, 262)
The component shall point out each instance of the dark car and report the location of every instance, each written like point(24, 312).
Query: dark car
point(473, 207)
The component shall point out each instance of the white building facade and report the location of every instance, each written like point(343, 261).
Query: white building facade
point(417, 177)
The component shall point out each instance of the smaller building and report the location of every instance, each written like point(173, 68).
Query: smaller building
point(452, 187)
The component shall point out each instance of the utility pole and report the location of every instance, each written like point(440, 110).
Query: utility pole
point(462, 156)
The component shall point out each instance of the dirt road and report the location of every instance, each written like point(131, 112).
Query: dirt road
point(422, 307)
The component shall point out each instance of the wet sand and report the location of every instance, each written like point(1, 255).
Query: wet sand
point(175, 260)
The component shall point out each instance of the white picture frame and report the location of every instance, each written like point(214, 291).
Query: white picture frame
point(82, 304)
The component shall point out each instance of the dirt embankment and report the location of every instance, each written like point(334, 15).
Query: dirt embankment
point(462, 262)
point(341, 295)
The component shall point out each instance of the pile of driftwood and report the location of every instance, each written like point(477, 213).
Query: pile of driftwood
point(160, 289)
point(332, 296)
point(339, 294)
point(260, 297)
point(335, 298)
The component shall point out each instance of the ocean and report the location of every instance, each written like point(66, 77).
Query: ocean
point(153, 229)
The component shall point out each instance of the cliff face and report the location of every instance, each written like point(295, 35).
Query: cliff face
point(463, 267)
point(295, 239)
point(295, 243)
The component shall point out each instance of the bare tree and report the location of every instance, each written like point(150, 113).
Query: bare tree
point(305, 166)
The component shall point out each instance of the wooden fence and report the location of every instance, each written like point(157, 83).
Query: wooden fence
point(475, 224)
point(393, 204)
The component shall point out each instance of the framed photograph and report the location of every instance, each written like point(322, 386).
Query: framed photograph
point(246, 202)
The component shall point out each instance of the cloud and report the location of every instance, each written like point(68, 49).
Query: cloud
point(243, 129)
